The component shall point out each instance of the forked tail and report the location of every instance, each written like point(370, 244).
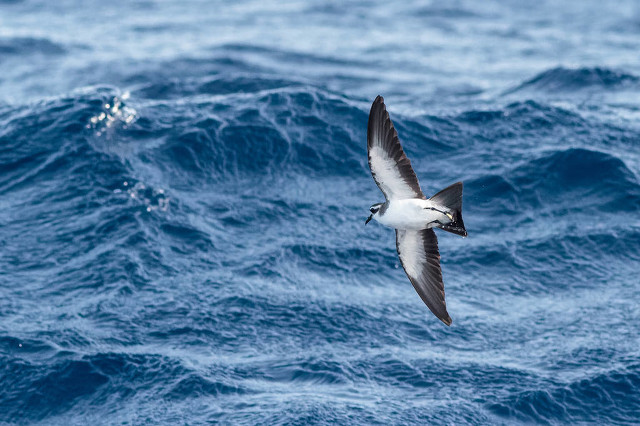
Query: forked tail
point(451, 197)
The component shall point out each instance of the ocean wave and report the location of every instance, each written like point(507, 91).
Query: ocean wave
point(575, 79)
point(602, 398)
point(196, 386)
point(521, 117)
point(183, 189)
point(51, 137)
point(560, 252)
point(220, 85)
point(34, 391)
point(280, 132)
point(565, 180)
point(445, 12)
point(18, 46)
point(230, 69)
point(320, 258)
point(283, 55)
point(225, 217)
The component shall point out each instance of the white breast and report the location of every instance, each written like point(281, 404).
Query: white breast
point(412, 214)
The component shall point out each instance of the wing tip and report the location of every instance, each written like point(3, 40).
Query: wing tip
point(377, 107)
point(446, 320)
point(377, 116)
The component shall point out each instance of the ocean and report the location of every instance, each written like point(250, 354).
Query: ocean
point(184, 185)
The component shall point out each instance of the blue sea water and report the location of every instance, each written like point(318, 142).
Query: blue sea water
point(183, 189)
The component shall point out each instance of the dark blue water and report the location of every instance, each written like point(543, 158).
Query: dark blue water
point(183, 189)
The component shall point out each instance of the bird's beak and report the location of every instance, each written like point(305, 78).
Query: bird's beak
point(370, 217)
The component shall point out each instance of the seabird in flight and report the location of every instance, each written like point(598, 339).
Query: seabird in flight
point(409, 212)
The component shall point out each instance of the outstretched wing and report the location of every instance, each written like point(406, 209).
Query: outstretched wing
point(390, 167)
point(420, 258)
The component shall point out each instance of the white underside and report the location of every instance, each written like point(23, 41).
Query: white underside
point(388, 176)
point(412, 214)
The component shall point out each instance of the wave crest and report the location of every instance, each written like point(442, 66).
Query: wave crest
point(600, 399)
point(567, 179)
point(562, 79)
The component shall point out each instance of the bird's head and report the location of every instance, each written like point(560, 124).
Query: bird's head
point(374, 209)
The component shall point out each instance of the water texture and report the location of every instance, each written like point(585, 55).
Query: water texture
point(183, 189)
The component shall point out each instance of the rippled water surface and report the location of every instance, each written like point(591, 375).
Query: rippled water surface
point(183, 189)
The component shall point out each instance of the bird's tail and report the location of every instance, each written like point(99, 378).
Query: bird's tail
point(451, 197)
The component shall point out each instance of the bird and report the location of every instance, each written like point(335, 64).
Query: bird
point(409, 212)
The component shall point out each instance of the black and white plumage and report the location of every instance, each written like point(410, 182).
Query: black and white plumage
point(409, 212)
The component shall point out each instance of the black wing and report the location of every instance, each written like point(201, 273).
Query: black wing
point(420, 258)
point(390, 167)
